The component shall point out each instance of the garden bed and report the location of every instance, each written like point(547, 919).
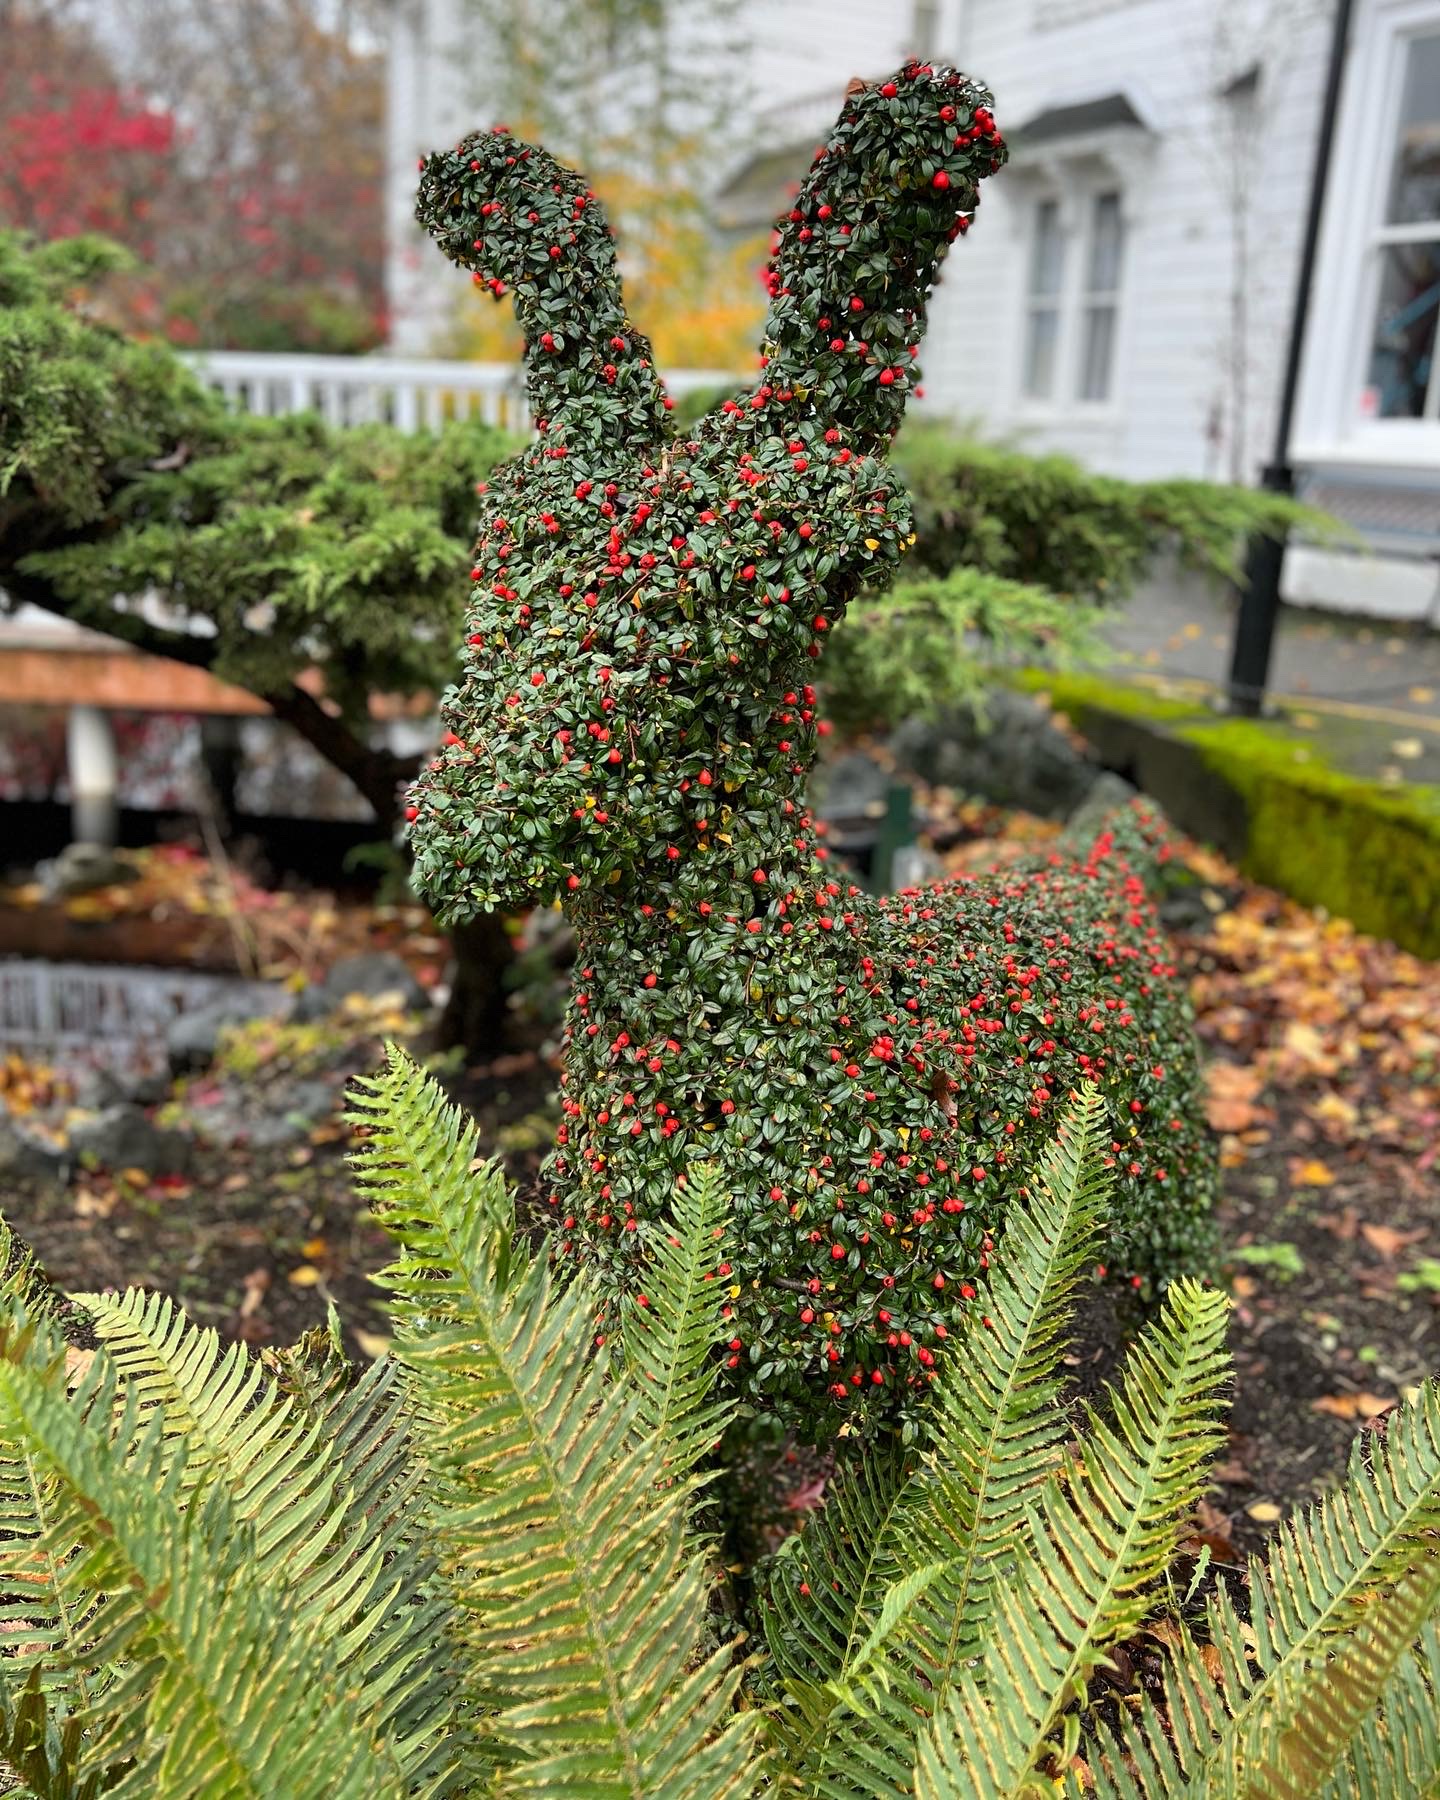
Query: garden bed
point(1325, 1085)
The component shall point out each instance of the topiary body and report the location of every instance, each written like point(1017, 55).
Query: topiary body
point(633, 734)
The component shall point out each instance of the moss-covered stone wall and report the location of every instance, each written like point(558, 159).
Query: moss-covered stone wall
point(1274, 802)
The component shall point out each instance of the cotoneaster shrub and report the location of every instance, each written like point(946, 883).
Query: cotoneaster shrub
point(633, 732)
point(473, 1568)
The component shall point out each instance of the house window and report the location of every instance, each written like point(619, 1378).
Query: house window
point(1100, 304)
point(1047, 271)
point(1403, 381)
point(1073, 318)
point(925, 27)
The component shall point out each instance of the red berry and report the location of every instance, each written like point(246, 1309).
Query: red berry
point(940, 179)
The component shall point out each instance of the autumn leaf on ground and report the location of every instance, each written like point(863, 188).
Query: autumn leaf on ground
point(1231, 1090)
point(1386, 1241)
point(1310, 1172)
point(1352, 1406)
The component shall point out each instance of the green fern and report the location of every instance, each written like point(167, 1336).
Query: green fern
point(670, 1335)
point(1396, 1753)
point(1097, 1543)
point(996, 1432)
point(585, 1593)
point(44, 1747)
point(343, 1543)
point(1321, 1581)
point(220, 1690)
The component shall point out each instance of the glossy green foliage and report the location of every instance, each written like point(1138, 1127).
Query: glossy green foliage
point(633, 733)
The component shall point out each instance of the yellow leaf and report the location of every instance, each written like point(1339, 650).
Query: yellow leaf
point(1264, 1512)
point(305, 1276)
point(372, 1343)
point(1312, 1173)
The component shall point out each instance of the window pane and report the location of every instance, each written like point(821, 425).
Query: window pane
point(1098, 353)
point(1047, 251)
point(1415, 177)
point(1107, 241)
point(925, 27)
point(1040, 353)
point(1403, 349)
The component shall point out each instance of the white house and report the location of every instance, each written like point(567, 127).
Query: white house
point(1127, 292)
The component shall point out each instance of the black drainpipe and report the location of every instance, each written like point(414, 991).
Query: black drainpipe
point(1260, 590)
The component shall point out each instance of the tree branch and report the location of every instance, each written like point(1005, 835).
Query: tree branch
point(376, 773)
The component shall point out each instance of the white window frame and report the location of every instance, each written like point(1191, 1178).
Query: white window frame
point(1331, 423)
point(1075, 202)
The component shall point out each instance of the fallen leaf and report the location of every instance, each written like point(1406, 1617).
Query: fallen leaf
point(1263, 1512)
point(1386, 1241)
point(315, 1248)
point(1408, 748)
point(1352, 1406)
point(305, 1276)
point(1231, 1092)
point(372, 1343)
point(257, 1284)
point(1310, 1172)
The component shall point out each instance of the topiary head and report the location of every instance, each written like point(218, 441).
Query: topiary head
point(647, 613)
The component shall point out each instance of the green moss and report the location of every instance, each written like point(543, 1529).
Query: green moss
point(1362, 850)
point(1071, 694)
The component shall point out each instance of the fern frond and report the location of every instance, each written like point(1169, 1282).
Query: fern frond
point(822, 1598)
point(670, 1341)
point(220, 1693)
point(1396, 1753)
point(997, 1429)
point(409, 1663)
point(1096, 1543)
point(1292, 1746)
point(42, 1746)
point(1325, 1570)
point(585, 1594)
point(340, 1525)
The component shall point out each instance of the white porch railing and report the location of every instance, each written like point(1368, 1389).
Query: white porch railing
point(412, 393)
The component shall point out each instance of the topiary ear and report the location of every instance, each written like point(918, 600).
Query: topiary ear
point(856, 255)
point(530, 228)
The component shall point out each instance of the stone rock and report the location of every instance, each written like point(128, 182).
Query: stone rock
point(192, 1039)
point(285, 1116)
point(23, 1154)
point(102, 1086)
point(1107, 791)
point(371, 973)
point(123, 1137)
point(81, 868)
point(1014, 756)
